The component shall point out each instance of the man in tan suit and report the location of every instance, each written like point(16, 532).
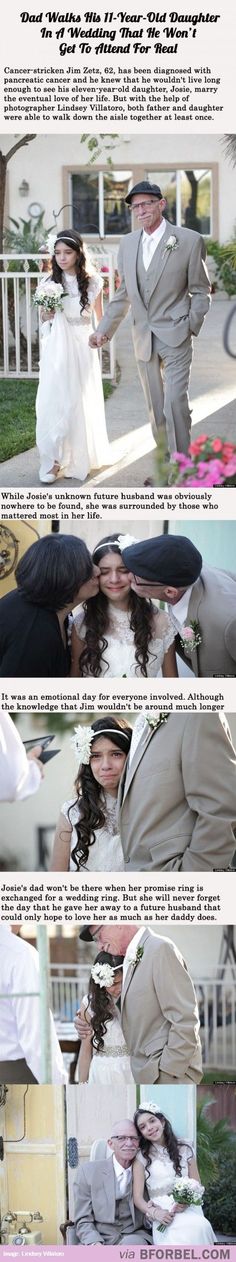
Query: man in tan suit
point(177, 795)
point(159, 1012)
point(169, 568)
point(163, 278)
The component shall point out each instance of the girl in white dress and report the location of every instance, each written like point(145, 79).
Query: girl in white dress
point(71, 429)
point(161, 1157)
point(86, 835)
point(118, 632)
point(103, 1056)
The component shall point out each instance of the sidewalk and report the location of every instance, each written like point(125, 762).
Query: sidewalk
point(213, 402)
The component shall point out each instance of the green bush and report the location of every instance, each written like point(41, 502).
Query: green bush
point(225, 257)
point(220, 1200)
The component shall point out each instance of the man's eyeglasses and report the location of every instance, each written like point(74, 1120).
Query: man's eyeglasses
point(144, 205)
point(126, 1139)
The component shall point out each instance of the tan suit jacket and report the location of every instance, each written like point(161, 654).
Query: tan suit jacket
point(159, 1014)
point(213, 605)
point(177, 798)
point(180, 291)
point(95, 1204)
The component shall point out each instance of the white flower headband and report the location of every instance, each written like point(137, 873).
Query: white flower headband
point(123, 541)
point(148, 1106)
point(83, 739)
point(51, 242)
point(104, 974)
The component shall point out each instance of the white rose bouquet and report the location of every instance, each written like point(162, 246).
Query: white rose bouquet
point(185, 1191)
point(49, 296)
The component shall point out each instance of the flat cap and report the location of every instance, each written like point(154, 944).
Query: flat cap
point(144, 187)
point(85, 934)
point(167, 559)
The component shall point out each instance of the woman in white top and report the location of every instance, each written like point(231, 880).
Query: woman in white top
point(86, 835)
point(118, 632)
point(71, 429)
point(103, 1057)
point(161, 1158)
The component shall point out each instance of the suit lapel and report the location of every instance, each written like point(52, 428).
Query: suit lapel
point(131, 970)
point(160, 258)
point(193, 616)
point(129, 774)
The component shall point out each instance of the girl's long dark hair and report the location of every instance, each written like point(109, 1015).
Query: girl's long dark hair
point(100, 1001)
point(90, 795)
point(83, 278)
point(97, 622)
point(172, 1144)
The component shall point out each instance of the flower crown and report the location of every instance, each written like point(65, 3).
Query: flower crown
point(148, 1106)
point(83, 739)
point(104, 974)
point(123, 541)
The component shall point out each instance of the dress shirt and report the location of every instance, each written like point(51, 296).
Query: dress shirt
point(20, 1018)
point(179, 612)
point(123, 1177)
point(150, 242)
point(19, 777)
point(139, 731)
point(131, 951)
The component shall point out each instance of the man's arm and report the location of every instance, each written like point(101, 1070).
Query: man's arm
point(176, 996)
point(209, 775)
point(116, 310)
point(199, 285)
point(84, 1217)
point(230, 638)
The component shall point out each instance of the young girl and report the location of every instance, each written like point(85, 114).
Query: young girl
point(118, 632)
point(71, 429)
point(161, 1157)
point(86, 834)
point(103, 1056)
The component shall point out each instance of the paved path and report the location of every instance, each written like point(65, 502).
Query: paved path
point(213, 402)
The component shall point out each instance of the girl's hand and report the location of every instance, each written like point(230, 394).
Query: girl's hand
point(156, 1214)
point(179, 1209)
point(47, 315)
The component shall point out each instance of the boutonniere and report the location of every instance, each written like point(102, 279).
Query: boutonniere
point(191, 637)
point(156, 720)
point(171, 244)
point(136, 959)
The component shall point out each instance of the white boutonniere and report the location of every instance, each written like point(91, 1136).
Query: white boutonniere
point(136, 959)
point(191, 637)
point(171, 244)
point(156, 720)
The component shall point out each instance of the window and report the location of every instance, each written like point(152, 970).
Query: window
point(98, 202)
point(188, 196)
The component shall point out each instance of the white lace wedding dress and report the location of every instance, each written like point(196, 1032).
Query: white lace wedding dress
point(119, 657)
point(71, 426)
point(110, 1067)
point(189, 1227)
point(106, 855)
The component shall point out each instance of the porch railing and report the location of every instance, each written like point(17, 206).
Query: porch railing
point(20, 342)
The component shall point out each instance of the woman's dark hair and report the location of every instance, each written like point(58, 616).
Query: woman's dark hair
point(97, 621)
point(52, 571)
point(92, 811)
point(172, 1144)
point(73, 239)
point(100, 1002)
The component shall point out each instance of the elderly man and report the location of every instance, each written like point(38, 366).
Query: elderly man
point(163, 278)
point(201, 600)
point(159, 1012)
point(104, 1208)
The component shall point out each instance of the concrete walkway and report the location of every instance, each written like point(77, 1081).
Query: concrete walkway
point(213, 402)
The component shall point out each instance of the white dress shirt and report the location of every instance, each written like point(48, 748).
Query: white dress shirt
point(20, 1020)
point(19, 777)
point(179, 612)
point(131, 951)
point(150, 242)
point(124, 1177)
point(139, 732)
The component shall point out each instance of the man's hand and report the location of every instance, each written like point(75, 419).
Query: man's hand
point(84, 1030)
point(98, 339)
point(34, 755)
point(179, 1209)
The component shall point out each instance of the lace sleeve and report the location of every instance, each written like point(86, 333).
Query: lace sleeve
point(186, 1154)
point(164, 629)
point(78, 623)
point(95, 286)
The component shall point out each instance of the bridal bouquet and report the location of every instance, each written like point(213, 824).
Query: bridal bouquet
point(210, 462)
point(185, 1191)
point(49, 296)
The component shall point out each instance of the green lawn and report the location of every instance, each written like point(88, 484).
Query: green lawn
point(17, 413)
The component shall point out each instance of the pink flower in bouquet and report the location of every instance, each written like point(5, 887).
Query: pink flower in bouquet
point(217, 445)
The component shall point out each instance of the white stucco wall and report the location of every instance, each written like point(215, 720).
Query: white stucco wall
point(42, 163)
